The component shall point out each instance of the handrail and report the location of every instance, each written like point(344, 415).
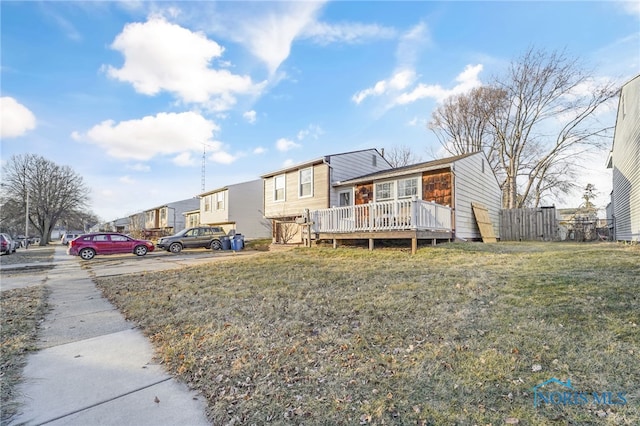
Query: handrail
point(407, 214)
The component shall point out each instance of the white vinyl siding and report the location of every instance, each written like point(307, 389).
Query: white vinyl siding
point(305, 182)
point(626, 164)
point(473, 186)
point(237, 207)
point(279, 188)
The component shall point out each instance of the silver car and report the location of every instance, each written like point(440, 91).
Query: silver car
point(7, 244)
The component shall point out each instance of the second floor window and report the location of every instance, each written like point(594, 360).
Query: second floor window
point(278, 188)
point(207, 203)
point(220, 201)
point(305, 177)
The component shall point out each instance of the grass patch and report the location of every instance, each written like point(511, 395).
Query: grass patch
point(456, 334)
point(22, 310)
point(34, 254)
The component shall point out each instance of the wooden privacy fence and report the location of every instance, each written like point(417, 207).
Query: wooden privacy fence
point(538, 224)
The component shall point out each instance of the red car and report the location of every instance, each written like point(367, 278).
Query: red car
point(88, 245)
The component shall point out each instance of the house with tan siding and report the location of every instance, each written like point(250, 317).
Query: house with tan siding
point(624, 209)
point(291, 191)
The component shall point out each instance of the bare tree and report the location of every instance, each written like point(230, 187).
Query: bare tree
point(401, 155)
point(534, 123)
point(462, 125)
point(53, 192)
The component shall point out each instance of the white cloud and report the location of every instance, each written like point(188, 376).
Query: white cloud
point(250, 116)
point(288, 162)
point(417, 121)
point(411, 44)
point(324, 33)
point(269, 34)
point(259, 150)
point(222, 157)
point(139, 167)
point(16, 119)
point(184, 159)
point(127, 180)
point(313, 131)
point(284, 145)
point(467, 80)
point(162, 134)
point(161, 56)
point(630, 7)
point(400, 80)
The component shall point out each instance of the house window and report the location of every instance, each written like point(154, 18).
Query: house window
point(278, 188)
point(305, 177)
point(207, 203)
point(163, 214)
point(482, 166)
point(374, 160)
point(220, 201)
point(384, 191)
point(345, 198)
point(407, 187)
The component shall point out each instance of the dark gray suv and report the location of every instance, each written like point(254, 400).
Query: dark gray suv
point(198, 237)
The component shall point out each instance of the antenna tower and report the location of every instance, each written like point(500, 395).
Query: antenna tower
point(204, 161)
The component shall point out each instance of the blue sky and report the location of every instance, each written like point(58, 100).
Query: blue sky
point(130, 94)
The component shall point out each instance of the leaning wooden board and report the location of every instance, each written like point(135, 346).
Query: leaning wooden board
point(484, 223)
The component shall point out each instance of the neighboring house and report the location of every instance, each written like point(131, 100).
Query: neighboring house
point(430, 200)
point(236, 207)
point(192, 218)
point(168, 218)
point(624, 159)
point(118, 225)
point(290, 191)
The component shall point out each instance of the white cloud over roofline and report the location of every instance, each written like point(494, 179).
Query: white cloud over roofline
point(161, 56)
point(163, 134)
point(16, 119)
point(285, 145)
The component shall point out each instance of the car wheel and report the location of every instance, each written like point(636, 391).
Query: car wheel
point(140, 250)
point(87, 253)
point(175, 248)
point(216, 245)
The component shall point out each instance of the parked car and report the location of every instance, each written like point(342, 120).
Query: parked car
point(66, 237)
point(198, 237)
point(87, 246)
point(7, 244)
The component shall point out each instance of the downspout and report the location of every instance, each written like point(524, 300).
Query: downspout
point(453, 200)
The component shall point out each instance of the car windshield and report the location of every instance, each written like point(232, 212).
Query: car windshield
point(181, 233)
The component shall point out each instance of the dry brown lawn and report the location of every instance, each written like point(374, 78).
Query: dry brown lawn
point(456, 334)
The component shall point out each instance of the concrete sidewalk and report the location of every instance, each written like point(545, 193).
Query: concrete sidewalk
point(94, 367)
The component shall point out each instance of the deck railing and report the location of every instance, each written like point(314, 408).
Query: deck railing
point(410, 214)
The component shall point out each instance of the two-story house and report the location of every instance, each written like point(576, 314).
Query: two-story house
point(236, 207)
point(290, 191)
point(168, 218)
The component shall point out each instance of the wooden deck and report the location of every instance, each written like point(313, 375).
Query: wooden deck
point(411, 219)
